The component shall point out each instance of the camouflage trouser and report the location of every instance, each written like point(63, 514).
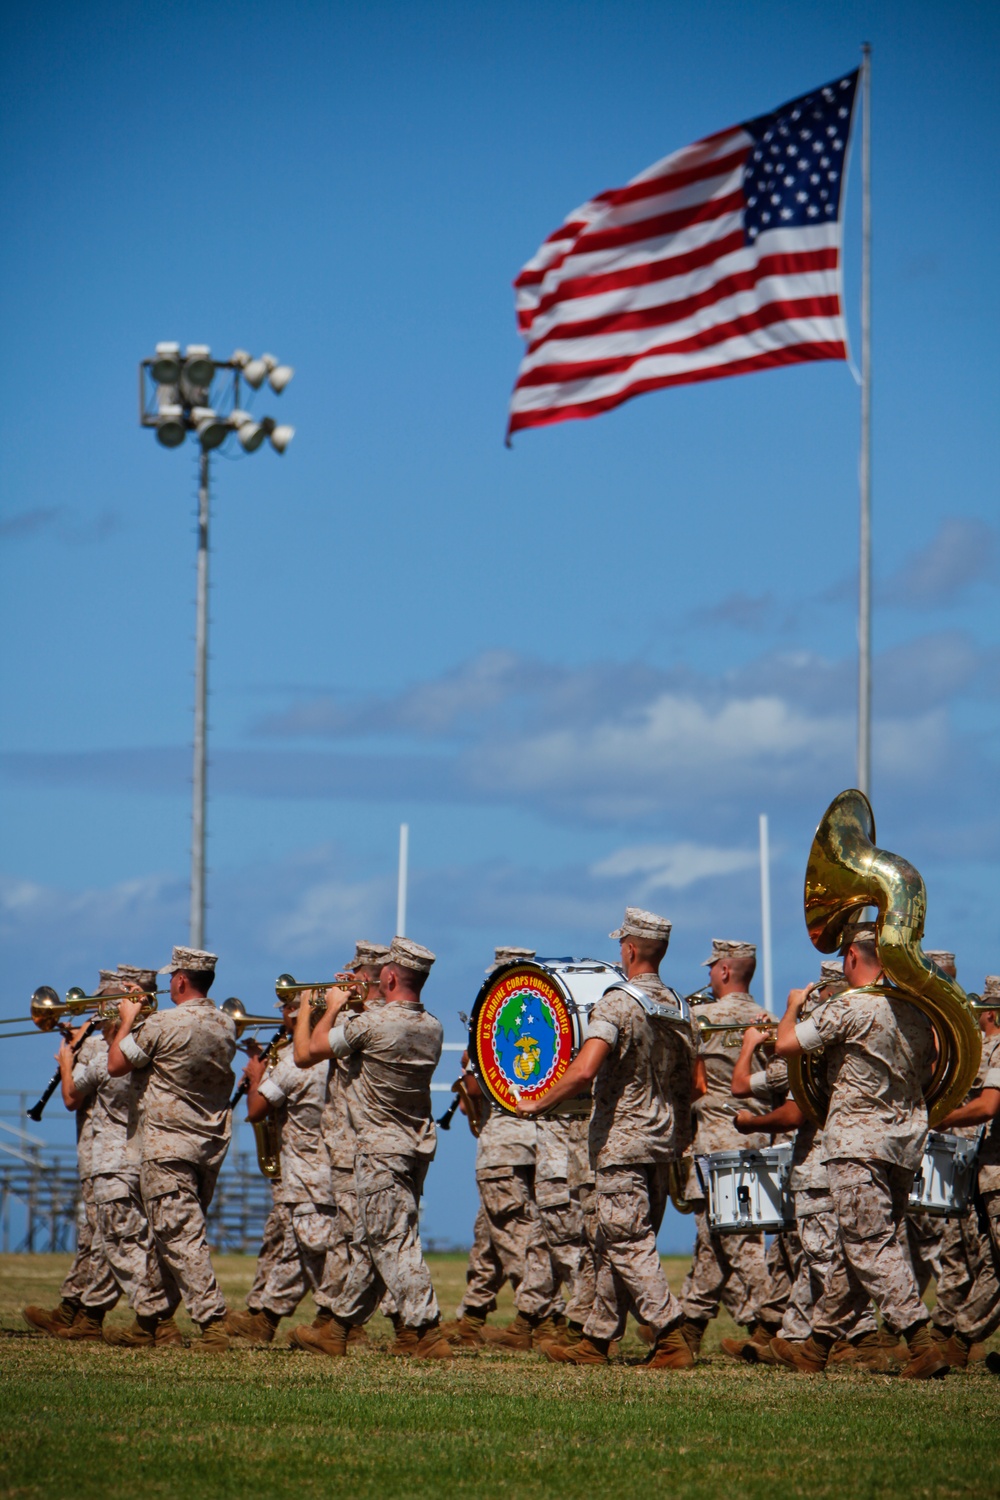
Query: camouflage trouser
point(89, 1280)
point(726, 1268)
point(338, 1260)
point(968, 1291)
point(869, 1260)
point(386, 1254)
point(816, 1223)
point(923, 1241)
point(484, 1275)
point(517, 1237)
point(127, 1242)
point(630, 1279)
point(176, 1195)
point(782, 1260)
point(270, 1248)
point(571, 1253)
point(297, 1241)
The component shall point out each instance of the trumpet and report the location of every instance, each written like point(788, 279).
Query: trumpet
point(732, 1035)
point(700, 997)
point(286, 987)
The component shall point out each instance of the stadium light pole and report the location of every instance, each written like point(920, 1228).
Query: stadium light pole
point(186, 393)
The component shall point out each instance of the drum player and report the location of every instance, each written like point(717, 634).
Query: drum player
point(728, 1269)
point(877, 1053)
point(641, 1070)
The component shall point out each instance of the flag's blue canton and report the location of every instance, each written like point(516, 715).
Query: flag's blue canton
point(794, 170)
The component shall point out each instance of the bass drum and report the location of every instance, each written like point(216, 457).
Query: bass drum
point(529, 1022)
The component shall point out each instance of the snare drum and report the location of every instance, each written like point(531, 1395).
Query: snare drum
point(748, 1190)
point(528, 1023)
point(947, 1177)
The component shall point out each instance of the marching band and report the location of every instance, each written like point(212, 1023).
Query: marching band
point(858, 1133)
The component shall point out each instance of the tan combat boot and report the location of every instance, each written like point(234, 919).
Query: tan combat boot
point(746, 1348)
point(809, 1357)
point(927, 1361)
point(214, 1338)
point(168, 1335)
point(141, 1335)
point(405, 1342)
point(85, 1327)
point(647, 1334)
point(871, 1352)
point(585, 1352)
point(517, 1335)
point(954, 1347)
point(50, 1320)
point(466, 1331)
point(329, 1339)
point(671, 1351)
point(432, 1344)
point(565, 1334)
point(548, 1330)
point(257, 1324)
point(693, 1330)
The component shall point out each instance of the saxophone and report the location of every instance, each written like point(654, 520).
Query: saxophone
point(267, 1132)
point(845, 873)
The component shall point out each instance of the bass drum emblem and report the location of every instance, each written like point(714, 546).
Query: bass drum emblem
point(522, 1035)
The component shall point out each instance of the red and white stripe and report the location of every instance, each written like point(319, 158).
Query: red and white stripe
point(653, 284)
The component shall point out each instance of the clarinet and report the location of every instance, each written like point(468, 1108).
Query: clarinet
point(449, 1114)
point(35, 1112)
point(244, 1087)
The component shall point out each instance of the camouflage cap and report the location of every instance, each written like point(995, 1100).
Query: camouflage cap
point(642, 924)
point(991, 987)
point(855, 932)
point(941, 957)
point(368, 955)
point(831, 970)
point(409, 955)
point(109, 982)
point(144, 978)
point(195, 960)
point(729, 948)
point(509, 956)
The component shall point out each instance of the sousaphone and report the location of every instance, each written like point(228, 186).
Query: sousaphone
point(845, 874)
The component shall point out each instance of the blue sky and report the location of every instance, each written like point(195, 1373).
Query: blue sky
point(579, 669)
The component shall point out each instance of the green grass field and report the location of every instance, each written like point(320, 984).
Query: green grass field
point(88, 1421)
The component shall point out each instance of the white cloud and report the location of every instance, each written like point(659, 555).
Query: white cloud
point(672, 866)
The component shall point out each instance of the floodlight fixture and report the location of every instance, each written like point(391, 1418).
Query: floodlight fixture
point(279, 378)
point(255, 373)
point(250, 433)
point(166, 366)
point(281, 437)
point(239, 358)
point(199, 366)
point(210, 427)
point(170, 428)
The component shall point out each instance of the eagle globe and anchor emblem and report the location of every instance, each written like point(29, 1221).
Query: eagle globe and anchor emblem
point(523, 1033)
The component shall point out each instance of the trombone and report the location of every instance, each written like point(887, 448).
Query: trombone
point(47, 1011)
point(242, 1020)
point(286, 987)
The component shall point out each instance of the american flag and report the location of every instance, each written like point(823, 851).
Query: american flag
point(721, 259)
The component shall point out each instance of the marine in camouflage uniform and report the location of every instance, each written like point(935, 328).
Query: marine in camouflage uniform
point(179, 1133)
point(564, 1192)
point(399, 1046)
point(878, 1053)
point(641, 1065)
point(968, 1309)
point(301, 1228)
point(726, 1269)
point(89, 1278)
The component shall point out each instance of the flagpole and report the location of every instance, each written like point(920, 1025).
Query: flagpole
point(865, 569)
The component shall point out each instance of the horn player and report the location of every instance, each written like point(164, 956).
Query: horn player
point(877, 1051)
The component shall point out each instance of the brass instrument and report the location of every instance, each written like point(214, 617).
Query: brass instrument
point(242, 1020)
point(733, 1034)
point(702, 996)
point(677, 1176)
point(47, 1010)
point(267, 1132)
point(846, 873)
point(286, 988)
